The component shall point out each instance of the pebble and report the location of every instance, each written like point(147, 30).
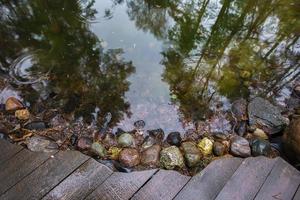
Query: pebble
point(240, 147)
point(174, 138)
point(150, 156)
point(171, 157)
point(37, 125)
point(260, 134)
point(260, 147)
point(219, 149)
point(84, 143)
point(158, 134)
point(98, 149)
point(129, 157)
point(206, 146)
point(140, 124)
point(12, 104)
point(41, 144)
point(125, 140)
point(114, 153)
point(192, 154)
point(22, 114)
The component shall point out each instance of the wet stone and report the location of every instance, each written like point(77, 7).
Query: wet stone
point(150, 156)
point(125, 140)
point(260, 134)
point(192, 154)
point(13, 104)
point(206, 146)
point(158, 134)
point(38, 125)
point(174, 138)
point(98, 149)
point(148, 142)
point(240, 147)
point(41, 144)
point(84, 143)
point(140, 124)
point(129, 157)
point(260, 147)
point(171, 157)
point(219, 149)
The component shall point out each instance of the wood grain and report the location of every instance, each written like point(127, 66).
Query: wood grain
point(16, 168)
point(163, 185)
point(121, 186)
point(47, 176)
point(209, 182)
point(282, 183)
point(83, 181)
point(8, 150)
point(247, 179)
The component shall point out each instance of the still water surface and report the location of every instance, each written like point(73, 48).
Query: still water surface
point(169, 63)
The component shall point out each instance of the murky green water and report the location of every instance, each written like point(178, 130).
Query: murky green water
point(170, 63)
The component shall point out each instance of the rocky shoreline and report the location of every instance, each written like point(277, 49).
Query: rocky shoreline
point(252, 128)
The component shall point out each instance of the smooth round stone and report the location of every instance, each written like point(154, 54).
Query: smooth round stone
point(84, 143)
point(150, 157)
point(171, 157)
point(22, 114)
point(192, 154)
point(38, 125)
point(240, 147)
point(98, 149)
point(129, 157)
point(125, 140)
point(140, 124)
point(12, 104)
point(219, 149)
point(260, 147)
point(206, 146)
point(174, 138)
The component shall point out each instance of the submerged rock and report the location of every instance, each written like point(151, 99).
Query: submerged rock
point(219, 149)
point(41, 144)
point(129, 157)
point(192, 154)
point(171, 157)
point(37, 125)
point(174, 138)
point(150, 157)
point(125, 140)
point(260, 147)
point(22, 114)
point(291, 140)
point(84, 143)
point(240, 147)
point(206, 146)
point(12, 104)
point(158, 134)
point(98, 149)
point(220, 124)
point(263, 114)
point(140, 124)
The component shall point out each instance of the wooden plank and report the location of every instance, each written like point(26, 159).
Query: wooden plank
point(121, 186)
point(247, 180)
point(16, 168)
point(163, 185)
point(82, 182)
point(209, 182)
point(47, 176)
point(8, 150)
point(297, 195)
point(282, 183)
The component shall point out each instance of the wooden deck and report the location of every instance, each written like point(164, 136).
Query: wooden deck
point(72, 175)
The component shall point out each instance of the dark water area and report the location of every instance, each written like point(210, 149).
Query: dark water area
point(170, 63)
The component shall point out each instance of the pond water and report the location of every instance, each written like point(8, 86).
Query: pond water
point(169, 63)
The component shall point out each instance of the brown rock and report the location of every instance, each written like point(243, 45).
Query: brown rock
point(291, 140)
point(150, 157)
point(240, 147)
point(129, 157)
point(22, 114)
point(219, 149)
point(12, 104)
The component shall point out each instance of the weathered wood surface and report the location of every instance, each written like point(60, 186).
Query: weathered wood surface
point(8, 150)
point(16, 168)
point(121, 186)
point(72, 175)
point(163, 185)
point(82, 182)
point(47, 176)
point(215, 176)
point(282, 182)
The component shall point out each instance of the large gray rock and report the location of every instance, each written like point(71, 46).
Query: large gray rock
point(171, 157)
point(240, 147)
point(265, 115)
